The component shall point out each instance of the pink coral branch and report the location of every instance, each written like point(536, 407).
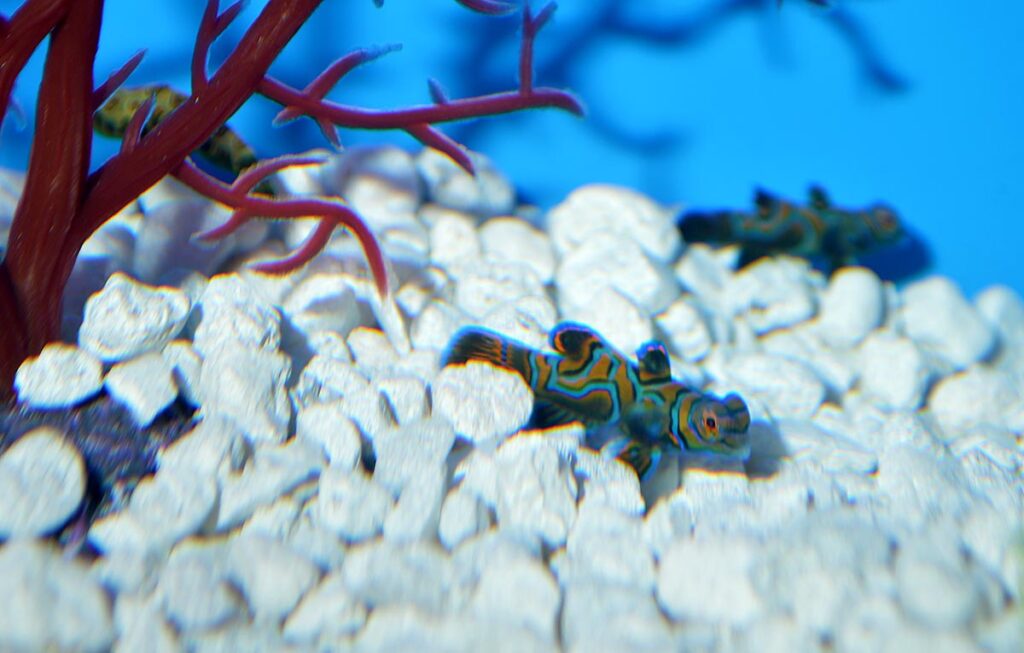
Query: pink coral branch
point(133, 132)
point(488, 6)
point(247, 207)
point(211, 26)
point(112, 83)
point(417, 120)
point(25, 30)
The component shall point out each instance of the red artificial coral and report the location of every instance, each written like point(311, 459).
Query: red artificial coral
point(63, 203)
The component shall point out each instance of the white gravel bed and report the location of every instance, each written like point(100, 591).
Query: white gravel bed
point(881, 508)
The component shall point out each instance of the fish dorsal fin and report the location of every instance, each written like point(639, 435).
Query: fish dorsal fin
point(819, 198)
point(641, 457)
point(764, 202)
point(653, 362)
point(573, 340)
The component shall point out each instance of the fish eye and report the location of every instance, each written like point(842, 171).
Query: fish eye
point(710, 423)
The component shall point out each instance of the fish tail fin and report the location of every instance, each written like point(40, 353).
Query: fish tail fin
point(700, 227)
point(478, 344)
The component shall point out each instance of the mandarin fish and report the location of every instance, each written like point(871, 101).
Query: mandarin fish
point(634, 412)
point(224, 150)
point(818, 229)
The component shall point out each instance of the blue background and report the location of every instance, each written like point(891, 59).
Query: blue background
point(915, 103)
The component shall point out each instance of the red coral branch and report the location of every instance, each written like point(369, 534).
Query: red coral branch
point(331, 214)
point(413, 120)
point(63, 204)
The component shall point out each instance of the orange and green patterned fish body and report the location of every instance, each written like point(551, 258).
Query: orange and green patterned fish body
point(588, 381)
point(817, 229)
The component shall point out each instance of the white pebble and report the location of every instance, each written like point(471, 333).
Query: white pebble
point(327, 378)
point(535, 492)
point(483, 287)
point(834, 453)
point(616, 317)
point(194, 590)
point(434, 326)
point(329, 426)
point(141, 627)
point(514, 240)
point(273, 472)
point(402, 452)
point(186, 366)
point(380, 182)
point(60, 376)
point(852, 306)
point(609, 261)
point(235, 313)
point(519, 593)
point(407, 396)
point(488, 192)
point(787, 387)
point(602, 209)
point(50, 603)
point(774, 293)
point(453, 241)
point(977, 396)
point(607, 545)
point(709, 580)
point(936, 595)
point(271, 577)
point(350, 504)
point(687, 330)
point(463, 515)
point(482, 401)
point(706, 274)
point(128, 318)
point(163, 509)
point(600, 616)
point(248, 386)
point(42, 482)
point(215, 447)
point(415, 516)
point(892, 371)
point(327, 611)
point(379, 573)
point(936, 316)
point(144, 384)
point(322, 302)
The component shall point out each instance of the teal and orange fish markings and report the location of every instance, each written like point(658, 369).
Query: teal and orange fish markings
point(632, 411)
point(816, 229)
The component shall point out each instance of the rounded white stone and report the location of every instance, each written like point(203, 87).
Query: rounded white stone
point(463, 515)
point(974, 397)
point(330, 427)
point(350, 504)
point(609, 261)
point(520, 592)
point(327, 611)
point(488, 192)
point(144, 384)
point(271, 576)
point(482, 401)
point(603, 209)
point(892, 371)
point(616, 317)
point(788, 387)
point(42, 482)
point(936, 315)
point(128, 318)
point(934, 594)
point(415, 516)
point(235, 312)
point(686, 328)
point(49, 603)
point(60, 376)
point(852, 306)
point(516, 241)
point(248, 386)
point(709, 580)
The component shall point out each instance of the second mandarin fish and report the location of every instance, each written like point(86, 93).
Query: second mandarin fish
point(632, 411)
point(777, 226)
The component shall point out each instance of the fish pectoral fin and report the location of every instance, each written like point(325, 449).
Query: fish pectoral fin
point(653, 362)
point(642, 458)
point(573, 340)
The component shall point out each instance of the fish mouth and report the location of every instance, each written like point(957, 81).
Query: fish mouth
point(736, 444)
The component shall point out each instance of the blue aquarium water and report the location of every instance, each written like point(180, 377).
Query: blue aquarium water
point(917, 104)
